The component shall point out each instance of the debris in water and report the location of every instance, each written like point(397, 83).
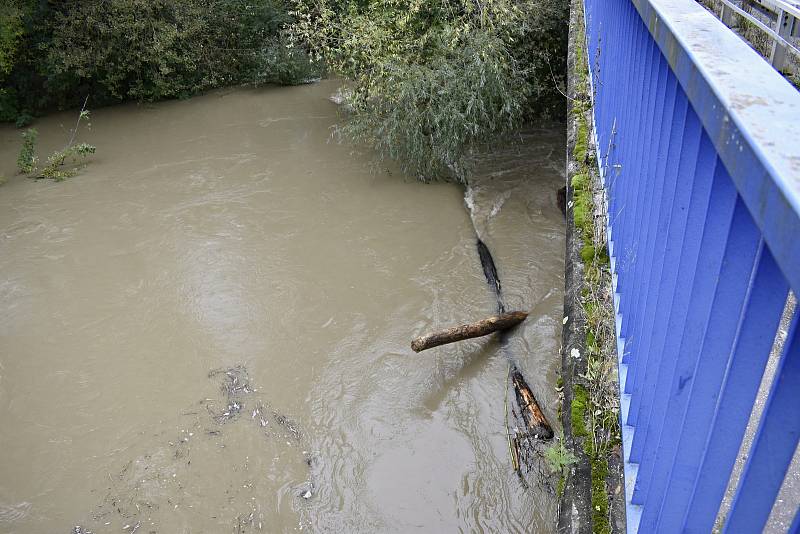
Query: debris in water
point(148, 490)
point(490, 272)
point(484, 327)
point(306, 491)
point(525, 447)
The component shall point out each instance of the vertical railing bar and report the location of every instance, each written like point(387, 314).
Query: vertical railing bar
point(683, 180)
point(632, 221)
point(641, 201)
point(651, 198)
point(628, 140)
point(702, 383)
point(743, 373)
point(774, 444)
point(669, 148)
point(621, 141)
point(658, 204)
point(690, 309)
point(606, 87)
point(628, 211)
point(612, 86)
point(683, 152)
point(611, 99)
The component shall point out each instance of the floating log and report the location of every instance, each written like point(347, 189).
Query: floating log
point(467, 331)
point(538, 427)
point(490, 272)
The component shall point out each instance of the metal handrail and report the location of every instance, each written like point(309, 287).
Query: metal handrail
point(790, 47)
point(751, 113)
point(697, 145)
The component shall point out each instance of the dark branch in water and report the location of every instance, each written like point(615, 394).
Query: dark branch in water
point(490, 272)
point(523, 444)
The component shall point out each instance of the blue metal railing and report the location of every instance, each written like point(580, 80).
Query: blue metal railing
point(698, 144)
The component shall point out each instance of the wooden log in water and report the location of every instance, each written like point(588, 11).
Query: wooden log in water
point(467, 331)
point(538, 427)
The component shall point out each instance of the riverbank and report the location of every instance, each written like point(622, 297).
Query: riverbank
point(593, 497)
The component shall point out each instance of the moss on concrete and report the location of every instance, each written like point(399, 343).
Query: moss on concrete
point(586, 412)
point(600, 522)
point(580, 403)
point(582, 140)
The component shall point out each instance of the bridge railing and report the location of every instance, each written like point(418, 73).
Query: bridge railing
point(776, 20)
point(698, 144)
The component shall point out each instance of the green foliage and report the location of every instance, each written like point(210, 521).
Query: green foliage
point(54, 53)
point(433, 80)
point(283, 64)
point(580, 403)
point(587, 252)
point(11, 32)
point(428, 116)
point(61, 164)
point(558, 457)
point(154, 49)
point(600, 506)
point(72, 155)
point(582, 140)
point(27, 160)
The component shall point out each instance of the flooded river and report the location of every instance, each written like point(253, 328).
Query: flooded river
point(207, 330)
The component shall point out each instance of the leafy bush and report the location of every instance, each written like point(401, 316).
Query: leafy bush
point(432, 80)
point(53, 54)
point(11, 32)
point(155, 49)
point(27, 160)
point(72, 155)
point(61, 164)
point(137, 49)
point(429, 115)
point(282, 64)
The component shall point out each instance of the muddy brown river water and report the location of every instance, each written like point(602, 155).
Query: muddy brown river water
point(208, 329)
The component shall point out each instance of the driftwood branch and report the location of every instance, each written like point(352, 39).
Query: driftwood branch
point(538, 427)
point(467, 331)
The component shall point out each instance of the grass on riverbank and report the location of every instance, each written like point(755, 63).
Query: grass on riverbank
point(595, 403)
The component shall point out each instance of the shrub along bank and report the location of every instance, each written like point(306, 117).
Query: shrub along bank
point(432, 80)
point(429, 80)
point(55, 53)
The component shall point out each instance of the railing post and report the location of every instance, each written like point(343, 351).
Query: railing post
point(786, 27)
point(726, 15)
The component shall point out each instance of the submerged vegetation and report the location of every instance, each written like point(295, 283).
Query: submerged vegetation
point(61, 164)
point(432, 80)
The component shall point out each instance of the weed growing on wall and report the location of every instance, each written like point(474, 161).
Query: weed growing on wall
point(595, 406)
point(559, 458)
